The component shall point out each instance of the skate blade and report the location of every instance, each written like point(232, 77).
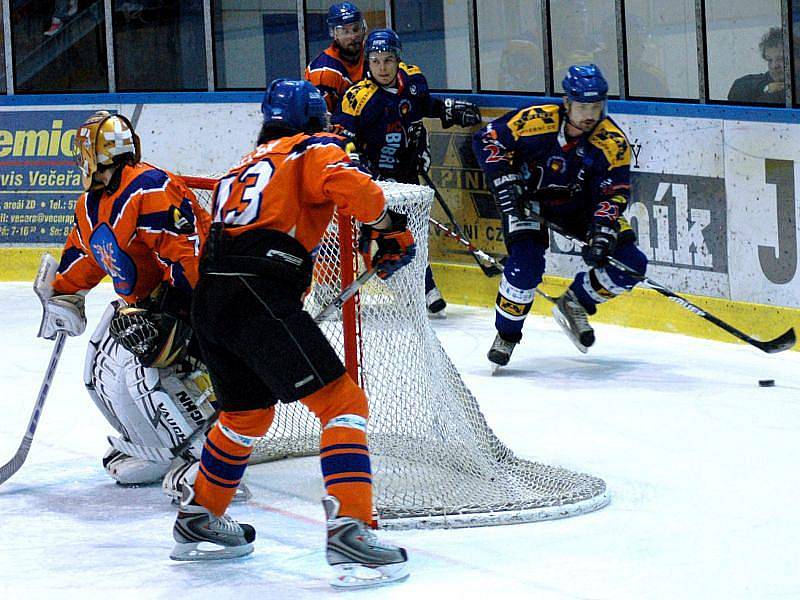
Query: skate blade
point(564, 324)
point(495, 368)
point(353, 576)
point(191, 551)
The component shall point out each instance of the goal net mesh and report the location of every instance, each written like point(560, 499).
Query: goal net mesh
point(435, 460)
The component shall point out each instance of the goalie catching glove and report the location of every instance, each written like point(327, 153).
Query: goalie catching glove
point(396, 247)
point(156, 329)
point(458, 112)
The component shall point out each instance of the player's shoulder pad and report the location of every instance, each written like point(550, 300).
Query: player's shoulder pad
point(318, 140)
point(611, 140)
point(325, 61)
point(410, 69)
point(535, 120)
point(357, 96)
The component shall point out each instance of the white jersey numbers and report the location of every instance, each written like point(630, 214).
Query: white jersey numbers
point(237, 199)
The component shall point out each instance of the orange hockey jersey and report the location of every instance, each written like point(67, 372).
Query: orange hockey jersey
point(149, 230)
point(292, 184)
point(332, 75)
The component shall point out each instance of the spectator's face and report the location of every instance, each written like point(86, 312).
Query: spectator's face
point(350, 37)
point(384, 66)
point(774, 58)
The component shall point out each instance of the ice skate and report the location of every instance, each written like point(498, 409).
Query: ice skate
point(201, 535)
point(500, 352)
point(435, 303)
point(355, 553)
point(573, 319)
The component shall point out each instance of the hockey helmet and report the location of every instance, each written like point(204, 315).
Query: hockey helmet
point(104, 139)
point(344, 13)
point(383, 40)
point(295, 104)
point(585, 83)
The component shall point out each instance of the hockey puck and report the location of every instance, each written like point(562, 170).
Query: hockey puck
point(766, 382)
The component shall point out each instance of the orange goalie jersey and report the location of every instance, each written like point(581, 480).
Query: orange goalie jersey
point(291, 185)
point(149, 230)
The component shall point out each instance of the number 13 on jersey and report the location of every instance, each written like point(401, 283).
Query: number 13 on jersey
point(238, 197)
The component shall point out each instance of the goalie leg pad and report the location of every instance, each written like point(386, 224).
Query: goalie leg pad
point(225, 454)
point(128, 470)
point(342, 409)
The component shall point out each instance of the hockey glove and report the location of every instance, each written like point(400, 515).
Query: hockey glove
point(135, 330)
point(65, 313)
point(508, 193)
point(600, 245)
point(458, 112)
point(396, 247)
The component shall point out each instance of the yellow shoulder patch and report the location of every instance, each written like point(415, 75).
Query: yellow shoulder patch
point(410, 69)
point(535, 120)
point(610, 139)
point(357, 96)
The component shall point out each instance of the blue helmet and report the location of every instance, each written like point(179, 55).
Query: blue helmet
point(343, 13)
point(383, 40)
point(294, 104)
point(585, 83)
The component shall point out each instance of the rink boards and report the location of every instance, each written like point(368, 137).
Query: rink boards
point(715, 201)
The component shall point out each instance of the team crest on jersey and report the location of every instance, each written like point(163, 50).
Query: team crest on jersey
point(412, 89)
point(404, 107)
point(556, 164)
point(111, 258)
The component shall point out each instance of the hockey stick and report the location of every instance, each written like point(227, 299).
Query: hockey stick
point(785, 341)
point(345, 295)
point(480, 254)
point(490, 270)
point(12, 466)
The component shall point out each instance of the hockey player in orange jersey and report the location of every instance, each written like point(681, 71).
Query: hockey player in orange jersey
point(261, 347)
point(341, 64)
point(143, 228)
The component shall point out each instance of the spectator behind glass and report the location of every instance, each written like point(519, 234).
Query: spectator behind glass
point(763, 87)
point(63, 10)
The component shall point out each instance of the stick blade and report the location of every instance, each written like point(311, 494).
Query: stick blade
point(785, 341)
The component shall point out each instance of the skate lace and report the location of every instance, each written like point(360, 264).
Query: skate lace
point(226, 524)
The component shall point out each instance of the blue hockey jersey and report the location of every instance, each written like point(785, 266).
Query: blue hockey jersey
point(383, 122)
point(578, 181)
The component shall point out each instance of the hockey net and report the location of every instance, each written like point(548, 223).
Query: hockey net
point(436, 462)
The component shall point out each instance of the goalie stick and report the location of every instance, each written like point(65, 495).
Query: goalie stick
point(13, 465)
point(785, 341)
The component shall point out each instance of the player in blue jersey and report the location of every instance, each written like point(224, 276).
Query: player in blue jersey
point(569, 163)
point(383, 114)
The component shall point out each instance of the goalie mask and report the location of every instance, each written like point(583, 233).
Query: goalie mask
point(102, 141)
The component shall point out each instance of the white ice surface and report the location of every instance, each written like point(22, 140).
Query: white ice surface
point(701, 462)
